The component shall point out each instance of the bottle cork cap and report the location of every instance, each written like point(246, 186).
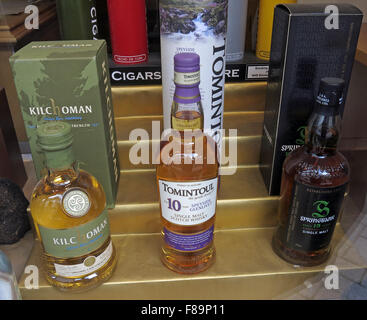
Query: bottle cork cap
point(54, 135)
point(187, 62)
point(331, 92)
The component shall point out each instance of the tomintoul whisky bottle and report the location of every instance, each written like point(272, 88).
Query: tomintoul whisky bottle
point(68, 207)
point(187, 112)
point(188, 183)
point(314, 183)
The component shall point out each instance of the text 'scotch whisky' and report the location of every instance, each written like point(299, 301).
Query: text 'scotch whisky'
point(314, 183)
point(68, 207)
point(187, 177)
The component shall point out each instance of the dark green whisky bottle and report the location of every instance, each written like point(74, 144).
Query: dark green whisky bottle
point(78, 19)
point(314, 182)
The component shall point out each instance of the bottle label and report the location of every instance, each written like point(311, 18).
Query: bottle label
point(75, 203)
point(191, 242)
point(188, 203)
point(89, 265)
point(181, 124)
point(313, 214)
point(76, 241)
point(190, 78)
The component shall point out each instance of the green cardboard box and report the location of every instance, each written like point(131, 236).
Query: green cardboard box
point(69, 81)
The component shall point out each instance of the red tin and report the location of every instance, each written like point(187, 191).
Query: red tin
point(128, 30)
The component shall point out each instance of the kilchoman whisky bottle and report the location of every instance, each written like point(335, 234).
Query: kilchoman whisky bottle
point(314, 182)
point(188, 182)
point(68, 207)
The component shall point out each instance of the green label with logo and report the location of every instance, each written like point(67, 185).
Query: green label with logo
point(313, 214)
point(302, 135)
point(77, 241)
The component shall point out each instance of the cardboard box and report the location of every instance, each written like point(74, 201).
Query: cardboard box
point(308, 43)
point(200, 27)
point(69, 81)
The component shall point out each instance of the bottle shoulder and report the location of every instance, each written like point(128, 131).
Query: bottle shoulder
point(188, 159)
point(315, 170)
point(48, 201)
point(83, 180)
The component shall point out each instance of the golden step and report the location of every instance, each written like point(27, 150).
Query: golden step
point(147, 100)
point(248, 152)
point(249, 130)
point(246, 123)
point(245, 268)
point(242, 202)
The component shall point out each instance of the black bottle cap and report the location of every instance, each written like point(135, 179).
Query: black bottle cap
point(331, 92)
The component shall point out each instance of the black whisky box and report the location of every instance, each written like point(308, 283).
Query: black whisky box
point(309, 42)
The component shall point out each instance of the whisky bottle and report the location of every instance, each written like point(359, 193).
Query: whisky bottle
point(187, 111)
point(314, 182)
point(68, 207)
point(188, 184)
point(78, 20)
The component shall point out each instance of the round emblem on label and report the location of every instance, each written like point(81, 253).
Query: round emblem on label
point(76, 203)
point(88, 262)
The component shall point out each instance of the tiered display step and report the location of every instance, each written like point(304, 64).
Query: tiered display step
point(246, 266)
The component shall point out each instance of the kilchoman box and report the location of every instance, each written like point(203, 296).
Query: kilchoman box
point(196, 26)
point(309, 42)
point(69, 81)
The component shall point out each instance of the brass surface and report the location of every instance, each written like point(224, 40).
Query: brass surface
point(248, 151)
point(246, 183)
point(246, 268)
point(246, 123)
point(242, 202)
point(147, 100)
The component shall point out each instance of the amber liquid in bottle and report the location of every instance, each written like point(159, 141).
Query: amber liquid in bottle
point(314, 181)
point(185, 261)
point(182, 119)
point(187, 184)
point(47, 211)
point(68, 207)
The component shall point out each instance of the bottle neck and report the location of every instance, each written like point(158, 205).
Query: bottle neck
point(187, 86)
point(187, 94)
point(61, 166)
point(323, 131)
point(187, 113)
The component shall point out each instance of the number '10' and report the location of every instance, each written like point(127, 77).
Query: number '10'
point(175, 204)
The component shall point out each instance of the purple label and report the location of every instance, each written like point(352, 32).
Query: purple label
point(187, 95)
point(190, 242)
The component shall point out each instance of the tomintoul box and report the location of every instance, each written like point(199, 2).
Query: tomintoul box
point(69, 81)
point(197, 26)
point(309, 42)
